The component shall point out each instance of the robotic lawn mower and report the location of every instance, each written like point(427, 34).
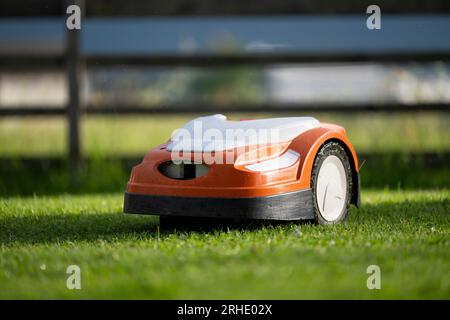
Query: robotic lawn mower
point(275, 169)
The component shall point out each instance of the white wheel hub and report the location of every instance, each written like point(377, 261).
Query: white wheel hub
point(331, 188)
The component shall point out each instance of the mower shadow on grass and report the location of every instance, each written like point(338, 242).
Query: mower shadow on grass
point(112, 227)
point(56, 228)
point(187, 224)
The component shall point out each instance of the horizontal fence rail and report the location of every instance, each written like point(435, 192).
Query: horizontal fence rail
point(211, 108)
point(263, 59)
point(43, 62)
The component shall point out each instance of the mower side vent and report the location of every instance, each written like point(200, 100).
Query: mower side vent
point(182, 171)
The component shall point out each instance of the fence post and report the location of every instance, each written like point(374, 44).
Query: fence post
point(74, 82)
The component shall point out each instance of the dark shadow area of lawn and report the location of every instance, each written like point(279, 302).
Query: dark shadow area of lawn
point(112, 227)
point(170, 225)
point(75, 227)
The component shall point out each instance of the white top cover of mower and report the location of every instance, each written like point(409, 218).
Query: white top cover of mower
point(216, 133)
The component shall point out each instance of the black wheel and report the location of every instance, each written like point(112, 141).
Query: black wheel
point(331, 182)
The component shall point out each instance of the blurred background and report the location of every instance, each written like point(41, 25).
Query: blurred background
point(79, 108)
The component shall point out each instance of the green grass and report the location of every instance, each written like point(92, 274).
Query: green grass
point(406, 233)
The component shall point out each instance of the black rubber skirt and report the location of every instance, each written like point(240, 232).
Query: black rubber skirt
point(296, 205)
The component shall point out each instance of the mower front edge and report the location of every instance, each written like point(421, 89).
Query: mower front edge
point(297, 205)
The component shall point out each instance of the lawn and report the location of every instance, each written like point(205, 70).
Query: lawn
point(405, 233)
point(49, 221)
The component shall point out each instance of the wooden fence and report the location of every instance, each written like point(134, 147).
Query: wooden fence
point(76, 63)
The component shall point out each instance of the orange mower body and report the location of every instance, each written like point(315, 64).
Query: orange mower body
point(308, 171)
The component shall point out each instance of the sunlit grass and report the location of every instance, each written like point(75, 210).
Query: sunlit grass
point(407, 234)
